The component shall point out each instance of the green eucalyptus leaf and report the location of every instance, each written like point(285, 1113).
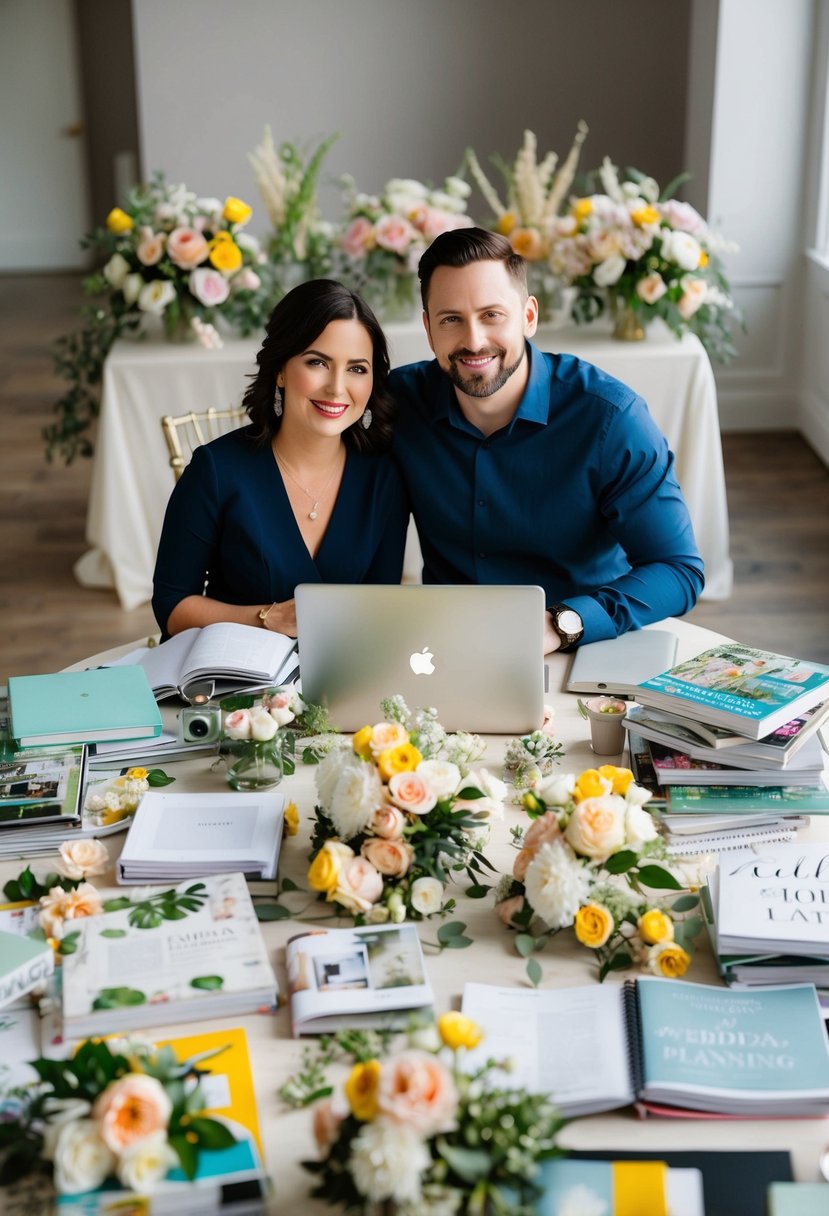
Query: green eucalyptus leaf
point(266, 912)
point(685, 903)
point(525, 944)
point(534, 972)
point(477, 891)
point(658, 878)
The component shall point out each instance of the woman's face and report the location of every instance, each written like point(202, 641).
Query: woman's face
point(326, 387)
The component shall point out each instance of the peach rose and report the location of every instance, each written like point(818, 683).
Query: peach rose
point(150, 249)
point(394, 233)
point(358, 237)
point(417, 1091)
point(186, 248)
point(508, 909)
point(359, 885)
point(597, 827)
point(326, 1124)
point(82, 859)
point(385, 735)
point(131, 1109)
point(59, 906)
point(411, 793)
point(208, 286)
point(388, 822)
point(391, 857)
point(693, 296)
point(651, 288)
point(528, 243)
point(544, 830)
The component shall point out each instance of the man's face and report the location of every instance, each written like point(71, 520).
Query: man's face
point(476, 321)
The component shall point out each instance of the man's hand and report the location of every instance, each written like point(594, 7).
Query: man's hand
point(551, 639)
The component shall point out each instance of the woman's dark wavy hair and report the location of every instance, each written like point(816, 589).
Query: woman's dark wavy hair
point(294, 325)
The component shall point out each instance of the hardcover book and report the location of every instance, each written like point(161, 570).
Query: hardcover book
point(25, 964)
point(671, 1047)
point(82, 707)
point(798, 1199)
point(373, 975)
point(42, 785)
point(750, 692)
point(774, 751)
point(176, 955)
point(232, 657)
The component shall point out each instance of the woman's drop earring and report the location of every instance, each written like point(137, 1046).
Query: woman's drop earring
point(277, 402)
point(366, 419)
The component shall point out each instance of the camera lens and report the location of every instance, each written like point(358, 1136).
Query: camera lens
point(198, 727)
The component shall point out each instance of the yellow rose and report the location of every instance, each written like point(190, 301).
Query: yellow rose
point(137, 774)
point(235, 211)
point(458, 1031)
point(593, 925)
point(703, 259)
point(362, 1088)
point(506, 223)
point(645, 215)
point(669, 960)
point(401, 759)
point(118, 221)
point(591, 784)
point(655, 926)
point(621, 777)
point(225, 255)
point(361, 742)
point(582, 207)
point(291, 817)
point(324, 871)
point(527, 243)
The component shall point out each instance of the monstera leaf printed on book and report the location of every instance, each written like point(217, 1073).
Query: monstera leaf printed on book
point(167, 955)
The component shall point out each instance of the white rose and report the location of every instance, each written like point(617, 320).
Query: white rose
point(387, 1160)
point(556, 884)
point(246, 280)
point(155, 296)
point(263, 726)
point(142, 1165)
point(237, 725)
point(457, 186)
point(82, 859)
point(116, 270)
point(406, 185)
point(58, 1112)
point(442, 776)
point(131, 287)
point(357, 795)
point(82, 1160)
point(636, 795)
point(557, 789)
point(609, 271)
point(426, 895)
point(639, 827)
point(682, 248)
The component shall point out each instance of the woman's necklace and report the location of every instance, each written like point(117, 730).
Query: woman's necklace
point(314, 499)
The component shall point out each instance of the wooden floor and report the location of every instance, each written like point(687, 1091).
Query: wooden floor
point(778, 492)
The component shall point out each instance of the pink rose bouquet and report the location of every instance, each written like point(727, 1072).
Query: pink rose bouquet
point(588, 862)
point(643, 254)
point(406, 1131)
point(398, 812)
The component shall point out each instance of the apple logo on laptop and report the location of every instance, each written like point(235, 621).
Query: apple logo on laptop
point(421, 662)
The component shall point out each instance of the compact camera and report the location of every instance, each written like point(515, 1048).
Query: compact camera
point(200, 724)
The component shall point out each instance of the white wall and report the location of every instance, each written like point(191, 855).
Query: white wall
point(756, 196)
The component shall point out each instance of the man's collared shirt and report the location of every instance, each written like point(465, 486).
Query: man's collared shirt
point(577, 494)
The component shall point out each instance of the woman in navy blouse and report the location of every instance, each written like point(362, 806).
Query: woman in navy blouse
point(304, 493)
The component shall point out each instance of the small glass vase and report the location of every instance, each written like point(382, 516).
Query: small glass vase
point(627, 322)
point(258, 766)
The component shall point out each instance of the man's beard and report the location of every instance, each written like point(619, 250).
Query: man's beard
point(479, 384)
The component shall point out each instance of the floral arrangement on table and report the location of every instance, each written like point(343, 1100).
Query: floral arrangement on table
point(399, 811)
point(301, 242)
point(536, 191)
point(262, 733)
point(122, 1109)
point(421, 1133)
point(644, 254)
point(120, 796)
point(383, 237)
point(169, 255)
point(589, 862)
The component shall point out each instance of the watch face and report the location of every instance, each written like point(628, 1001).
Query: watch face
point(569, 621)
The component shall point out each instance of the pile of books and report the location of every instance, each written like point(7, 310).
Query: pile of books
point(730, 744)
point(767, 912)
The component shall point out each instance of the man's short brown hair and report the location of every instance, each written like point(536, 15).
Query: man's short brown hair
point(462, 247)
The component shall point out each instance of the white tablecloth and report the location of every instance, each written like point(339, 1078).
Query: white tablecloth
point(492, 958)
point(131, 478)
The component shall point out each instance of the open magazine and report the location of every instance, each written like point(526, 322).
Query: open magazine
point(344, 978)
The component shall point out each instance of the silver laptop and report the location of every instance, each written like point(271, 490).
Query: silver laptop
point(474, 653)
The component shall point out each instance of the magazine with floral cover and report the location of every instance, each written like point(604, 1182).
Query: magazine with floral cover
point(344, 978)
point(162, 955)
point(674, 766)
point(41, 785)
point(750, 692)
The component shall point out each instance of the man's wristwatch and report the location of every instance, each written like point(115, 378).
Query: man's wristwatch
point(567, 623)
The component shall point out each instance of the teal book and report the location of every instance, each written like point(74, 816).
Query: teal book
point(798, 1199)
point(734, 799)
point(748, 691)
point(25, 963)
point(83, 706)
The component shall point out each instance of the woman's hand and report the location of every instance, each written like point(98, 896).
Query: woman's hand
point(281, 618)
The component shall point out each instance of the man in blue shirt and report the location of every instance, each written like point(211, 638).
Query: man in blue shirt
point(524, 467)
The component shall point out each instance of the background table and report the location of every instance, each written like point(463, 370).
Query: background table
point(131, 478)
point(287, 1135)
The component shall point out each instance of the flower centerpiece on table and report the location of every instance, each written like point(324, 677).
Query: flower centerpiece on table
point(256, 732)
point(383, 237)
point(399, 812)
point(301, 242)
point(119, 1109)
point(169, 255)
point(644, 254)
point(536, 191)
point(420, 1133)
point(589, 862)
